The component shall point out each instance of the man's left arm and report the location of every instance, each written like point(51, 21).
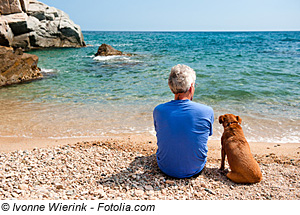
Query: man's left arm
point(211, 122)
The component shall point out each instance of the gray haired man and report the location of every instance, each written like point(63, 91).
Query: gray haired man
point(182, 127)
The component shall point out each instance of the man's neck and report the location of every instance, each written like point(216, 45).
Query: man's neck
point(183, 96)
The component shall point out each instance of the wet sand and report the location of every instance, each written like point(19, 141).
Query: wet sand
point(8, 144)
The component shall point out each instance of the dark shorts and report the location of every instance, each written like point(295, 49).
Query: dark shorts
point(194, 176)
point(199, 173)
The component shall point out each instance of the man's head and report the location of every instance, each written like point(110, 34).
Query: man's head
point(181, 78)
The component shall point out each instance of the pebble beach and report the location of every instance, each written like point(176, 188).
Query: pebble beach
point(126, 169)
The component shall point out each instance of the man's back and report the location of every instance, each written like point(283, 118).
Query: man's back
point(182, 130)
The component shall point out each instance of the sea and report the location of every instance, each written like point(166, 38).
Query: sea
point(255, 75)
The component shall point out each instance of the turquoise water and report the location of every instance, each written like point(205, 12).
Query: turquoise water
point(255, 75)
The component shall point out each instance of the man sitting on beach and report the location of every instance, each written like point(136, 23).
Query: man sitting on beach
point(182, 127)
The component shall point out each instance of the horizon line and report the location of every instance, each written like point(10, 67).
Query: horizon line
point(195, 30)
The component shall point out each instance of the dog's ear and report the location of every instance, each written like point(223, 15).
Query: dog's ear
point(239, 119)
point(221, 119)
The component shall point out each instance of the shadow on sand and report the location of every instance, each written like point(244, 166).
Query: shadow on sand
point(143, 173)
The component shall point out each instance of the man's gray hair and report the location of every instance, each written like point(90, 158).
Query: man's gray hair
point(181, 78)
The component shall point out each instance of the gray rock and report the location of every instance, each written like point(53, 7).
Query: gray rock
point(36, 25)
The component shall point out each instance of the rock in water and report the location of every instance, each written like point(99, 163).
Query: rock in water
point(32, 24)
point(16, 67)
point(107, 50)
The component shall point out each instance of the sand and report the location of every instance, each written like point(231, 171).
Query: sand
point(8, 144)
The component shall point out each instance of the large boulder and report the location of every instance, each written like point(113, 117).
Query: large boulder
point(107, 50)
point(32, 24)
point(16, 66)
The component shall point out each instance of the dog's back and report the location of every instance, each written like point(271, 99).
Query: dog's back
point(244, 168)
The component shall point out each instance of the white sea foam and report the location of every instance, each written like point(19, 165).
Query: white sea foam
point(124, 44)
point(9, 136)
point(116, 58)
point(110, 58)
point(114, 45)
point(76, 137)
point(152, 131)
point(43, 70)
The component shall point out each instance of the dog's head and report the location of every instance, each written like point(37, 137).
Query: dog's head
point(228, 119)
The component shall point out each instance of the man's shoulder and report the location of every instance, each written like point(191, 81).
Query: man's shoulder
point(159, 107)
point(162, 106)
point(203, 111)
point(201, 106)
point(194, 105)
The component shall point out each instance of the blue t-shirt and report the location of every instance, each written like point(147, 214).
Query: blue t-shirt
point(182, 129)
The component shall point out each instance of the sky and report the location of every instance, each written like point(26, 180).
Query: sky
point(182, 15)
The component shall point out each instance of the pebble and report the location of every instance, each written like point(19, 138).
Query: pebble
point(23, 186)
point(18, 191)
point(83, 193)
point(59, 186)
point(139, 192)
point(101, 194)
point(102, 171)
point(69, 192)
point(148, 187)
point(170, 182)
point(210, 191)
point(15, 195)
point(203, 185)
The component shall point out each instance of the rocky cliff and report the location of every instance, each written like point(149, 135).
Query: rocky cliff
point(32, 24)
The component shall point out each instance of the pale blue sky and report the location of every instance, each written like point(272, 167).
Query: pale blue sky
point(182, 15)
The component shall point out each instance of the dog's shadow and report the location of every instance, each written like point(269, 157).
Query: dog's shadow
point(143, 173)
point(217, 175)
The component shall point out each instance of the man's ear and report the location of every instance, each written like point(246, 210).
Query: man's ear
point(191, 88)
point(221, 119)
point(239, 119)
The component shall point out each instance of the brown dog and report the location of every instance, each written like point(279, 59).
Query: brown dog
point(244, 168)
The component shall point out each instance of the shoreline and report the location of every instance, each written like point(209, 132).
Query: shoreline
point(9, 144)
